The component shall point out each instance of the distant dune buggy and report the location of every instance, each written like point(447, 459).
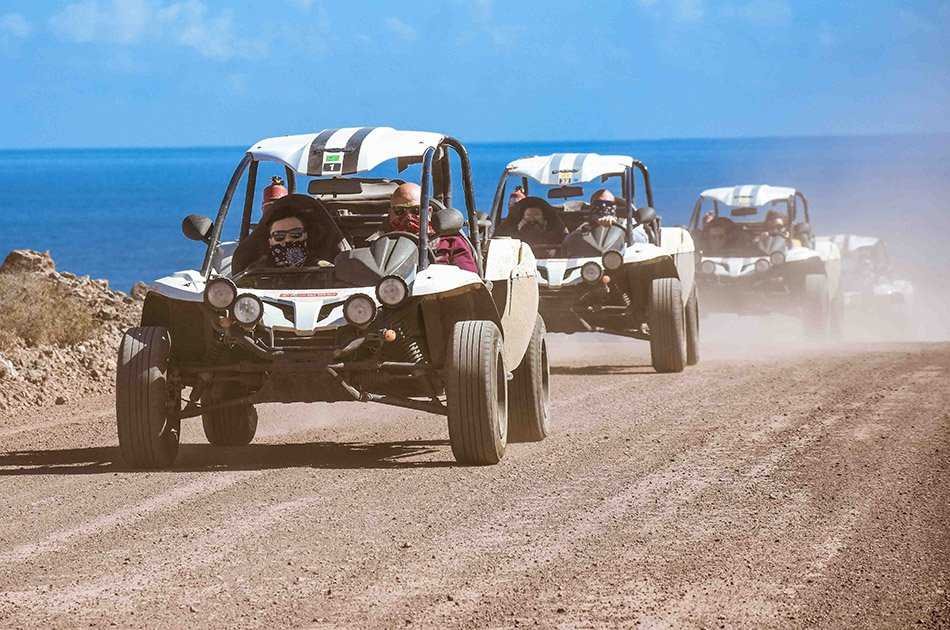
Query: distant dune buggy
point(380, 322)
point(868, 281)
point(632, 278)
point(747, 269)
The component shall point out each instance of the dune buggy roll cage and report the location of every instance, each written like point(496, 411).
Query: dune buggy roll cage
point(628, 190)
point(431, 179)
point(792, 209)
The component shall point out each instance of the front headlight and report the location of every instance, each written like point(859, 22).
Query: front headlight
point(247, 309)
point(708, 266)
point(392, 291)
point(762, 265)
point(591, 271)
point(359, 310)
point(777, 258)
point(220, 293)
point(613, 260)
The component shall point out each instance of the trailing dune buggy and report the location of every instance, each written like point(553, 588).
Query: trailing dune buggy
point(628, 276)
point(759, 256)
point(869, 285)
point(377, 321)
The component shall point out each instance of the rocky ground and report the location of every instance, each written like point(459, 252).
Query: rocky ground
point(36, 375)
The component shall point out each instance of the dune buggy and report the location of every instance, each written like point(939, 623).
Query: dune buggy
point(633, 278)
point(748, 268)
point(869, 284)
point(380, 322)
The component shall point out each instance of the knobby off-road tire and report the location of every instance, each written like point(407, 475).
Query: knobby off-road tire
point(146, 438)
point(529, 394)
point(476, 390)
point(816, 307)
point(667, 325)
point(692, 328)
point(229, 426)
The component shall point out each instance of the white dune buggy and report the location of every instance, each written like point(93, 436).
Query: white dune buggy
point(632, 278)
point(378, 321)
point(745, 269)
point(868, 282)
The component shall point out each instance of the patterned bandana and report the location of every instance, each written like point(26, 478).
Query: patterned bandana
point(289, 253)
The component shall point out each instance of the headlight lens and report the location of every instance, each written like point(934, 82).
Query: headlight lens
point(247, 309)
point(762, 265)
point(591, 271)
point(220, 293)
point(777, 258)
point(359, 309)
point(613, 260)
point(708, 266)
point(392, 290)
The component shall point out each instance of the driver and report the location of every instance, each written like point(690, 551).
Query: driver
point(775, 228)
point(537, 225)
point(603, 208)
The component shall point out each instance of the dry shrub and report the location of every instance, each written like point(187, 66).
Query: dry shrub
point(41, 311)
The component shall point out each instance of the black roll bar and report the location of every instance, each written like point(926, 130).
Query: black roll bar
point(495, 214)
point(626, 188)
point(249, 200)
point(223, 213)
point(469, 190)
point(425, 196)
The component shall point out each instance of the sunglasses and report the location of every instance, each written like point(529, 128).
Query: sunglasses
point(603, 205)
point(401, 210)
point(293, 234)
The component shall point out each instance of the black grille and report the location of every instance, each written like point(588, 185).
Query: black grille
point(321, 340)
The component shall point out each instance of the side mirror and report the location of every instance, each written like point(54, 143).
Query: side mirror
point(645, 214)
point(447, 222)
point(196, 227)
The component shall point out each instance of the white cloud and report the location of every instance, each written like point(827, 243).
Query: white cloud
point(14, 26)
point(187, 23)
point(401, 29)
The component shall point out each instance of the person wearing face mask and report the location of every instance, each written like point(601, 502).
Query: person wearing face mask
point(603, 209)
point(534, 221)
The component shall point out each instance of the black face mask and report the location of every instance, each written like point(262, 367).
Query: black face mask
point(289, 253)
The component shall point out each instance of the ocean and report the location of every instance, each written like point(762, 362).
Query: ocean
point(116, 213)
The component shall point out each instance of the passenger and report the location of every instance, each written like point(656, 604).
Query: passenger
point(452, 249)
point(717, 236)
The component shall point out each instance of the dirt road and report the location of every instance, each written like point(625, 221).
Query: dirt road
point(806, 487)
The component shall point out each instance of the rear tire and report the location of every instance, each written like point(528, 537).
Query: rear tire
point(146, 437)
point(229, 426)
point(667, 329)
point(529, 395)
point(692, 328)
point(816, 307)
point(476, 391)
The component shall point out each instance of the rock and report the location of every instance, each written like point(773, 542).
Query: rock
point(60, 400)
point(29, 261)
point(7, 371)
point(139, 290)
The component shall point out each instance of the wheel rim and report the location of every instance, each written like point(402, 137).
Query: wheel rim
point(501, 397)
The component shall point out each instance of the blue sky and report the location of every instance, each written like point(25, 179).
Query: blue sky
point(201, 72)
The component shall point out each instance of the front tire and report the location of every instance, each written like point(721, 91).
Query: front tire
point(476, 392)
point(667, 329)
point(529, 396)
point(692, 328)
point(147, 439)
point(229, 426)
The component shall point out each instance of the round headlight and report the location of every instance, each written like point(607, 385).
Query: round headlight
point(777, 258)
point(591, 271)
point(220, 292)
point(359, 309)
point(762, 265)
point(613, 260)
point(708, 266)
point(392, 290)
point(247, 309)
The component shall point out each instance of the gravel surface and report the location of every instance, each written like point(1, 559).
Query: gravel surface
point(803, 487)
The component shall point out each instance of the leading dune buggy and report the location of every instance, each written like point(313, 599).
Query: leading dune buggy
point(633, 278)
point(380, 322)
point(759, 256)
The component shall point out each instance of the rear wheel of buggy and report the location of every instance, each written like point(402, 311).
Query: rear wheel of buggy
point(229, 426)
point(692, 328)
point(147, 439)
point(529, 395)
point(476, 390)
point(816, 307)
point(667, 325)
